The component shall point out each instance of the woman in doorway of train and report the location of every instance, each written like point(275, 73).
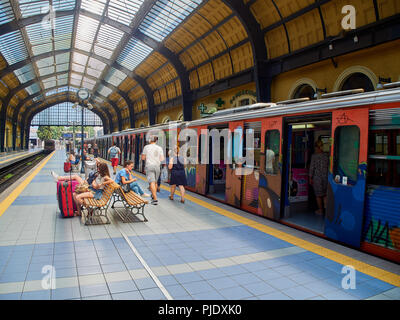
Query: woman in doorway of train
point(319, 175)
point(178, 177)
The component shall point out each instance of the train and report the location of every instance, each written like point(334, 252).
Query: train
point(360, 133)
point(49, 146)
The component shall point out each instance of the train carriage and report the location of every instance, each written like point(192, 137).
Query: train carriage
point(359, 131)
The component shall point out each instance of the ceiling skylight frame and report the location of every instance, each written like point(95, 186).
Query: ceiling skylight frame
point(133, 54)
point(165, 16)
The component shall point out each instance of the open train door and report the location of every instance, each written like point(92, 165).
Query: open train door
point(270, 181)
point(347, 176)
point(233, 189)
point(201, 166)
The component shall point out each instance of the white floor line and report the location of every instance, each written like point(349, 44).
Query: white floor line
point(143, 262)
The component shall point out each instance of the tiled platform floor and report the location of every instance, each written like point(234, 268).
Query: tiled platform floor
point(193, 251)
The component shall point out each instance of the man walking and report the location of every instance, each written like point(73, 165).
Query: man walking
point(153, 155)
point(114, 152)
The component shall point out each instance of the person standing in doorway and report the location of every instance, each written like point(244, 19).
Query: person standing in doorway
point(114, 153)
point(319, 175)
point(153, 155)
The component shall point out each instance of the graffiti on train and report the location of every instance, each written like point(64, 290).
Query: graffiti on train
point(380, 232)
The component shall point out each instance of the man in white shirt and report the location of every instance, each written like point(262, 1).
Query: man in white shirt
point(153, 155)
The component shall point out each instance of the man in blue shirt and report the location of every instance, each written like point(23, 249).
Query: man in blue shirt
point(125, 176)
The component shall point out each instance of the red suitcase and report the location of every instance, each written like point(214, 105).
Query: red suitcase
point(65, 199)
point(67, 167)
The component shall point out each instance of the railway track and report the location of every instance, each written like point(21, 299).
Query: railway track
point(11, 173)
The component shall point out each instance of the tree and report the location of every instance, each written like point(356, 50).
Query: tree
point(47, 132)
point(44, 133)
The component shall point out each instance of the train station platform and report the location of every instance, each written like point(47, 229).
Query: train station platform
point(7, 159)
point(201, 249)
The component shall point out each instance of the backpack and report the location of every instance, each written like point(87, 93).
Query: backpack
point(91, 177)
point(113, 152)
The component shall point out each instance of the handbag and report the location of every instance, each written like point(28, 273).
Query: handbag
point(67, 167)
point(164, 174)
point(82, 187)
point(126, 188)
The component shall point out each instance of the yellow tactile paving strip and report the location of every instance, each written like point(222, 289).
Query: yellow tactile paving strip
point(18, 190)
point(366, 268)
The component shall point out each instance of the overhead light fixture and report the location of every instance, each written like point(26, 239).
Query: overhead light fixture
point(355, 39)
point(330, 46)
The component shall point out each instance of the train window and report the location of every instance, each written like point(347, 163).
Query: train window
point(384, 158)
point(272, 143)
point(347, 144)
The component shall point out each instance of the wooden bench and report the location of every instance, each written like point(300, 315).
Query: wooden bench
point(95, 211)
point(133, 205)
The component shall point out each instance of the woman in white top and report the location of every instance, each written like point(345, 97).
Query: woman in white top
point(96, 189)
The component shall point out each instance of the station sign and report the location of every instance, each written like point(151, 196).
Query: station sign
point(69, 135)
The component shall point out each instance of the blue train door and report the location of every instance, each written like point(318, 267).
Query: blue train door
point(347, 176)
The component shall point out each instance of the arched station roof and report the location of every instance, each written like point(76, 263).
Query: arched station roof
point(135, 55)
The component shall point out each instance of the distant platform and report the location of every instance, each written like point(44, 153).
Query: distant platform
point(8, 159)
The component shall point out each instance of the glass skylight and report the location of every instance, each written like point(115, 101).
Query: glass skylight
point(32, 89)
point(133, 54)
point(123, 10)
point(33, 7)
point(59, 90)
point(6, 12)
point(86, 32)
point(107, 40)
point(25, 73)
point(63, 5)
point(95, 6)
point(104, 91)
point(165, 16)
point(53, 64)
point(115, 77)
point(100, 27)
point(12, 47)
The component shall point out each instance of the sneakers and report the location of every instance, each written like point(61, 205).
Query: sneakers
point(146, 195)
point(154, 202)
point(55, 176)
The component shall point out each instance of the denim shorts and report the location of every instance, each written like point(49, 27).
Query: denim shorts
point(97, 193)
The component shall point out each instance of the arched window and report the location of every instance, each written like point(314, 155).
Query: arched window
point(358, 80)
point(166, 119)
point(304, 91)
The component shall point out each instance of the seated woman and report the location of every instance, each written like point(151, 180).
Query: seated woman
point(125, 176)
point(96, 188)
